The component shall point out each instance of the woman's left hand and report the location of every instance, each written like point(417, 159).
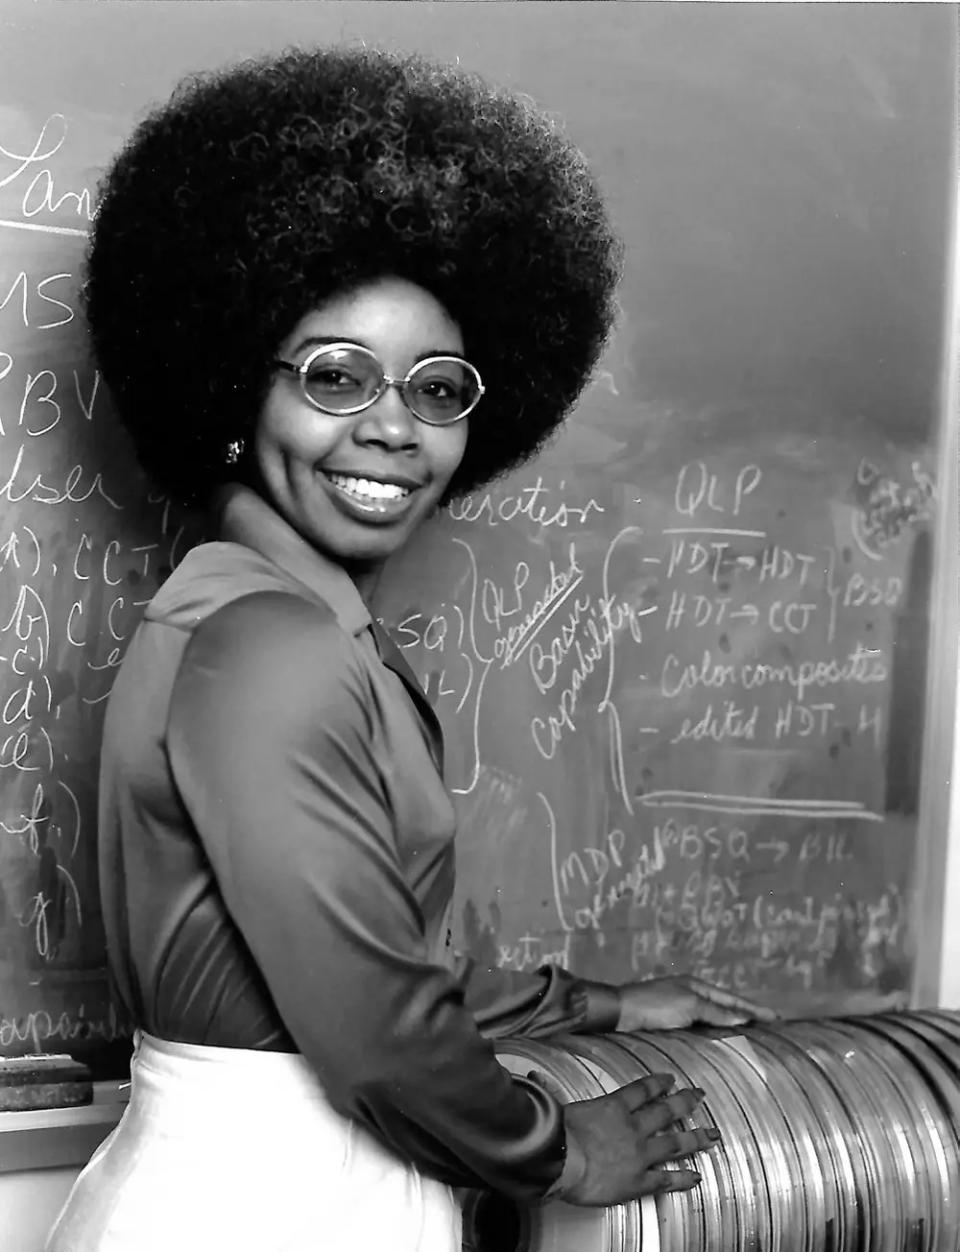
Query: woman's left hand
point(675, 1003)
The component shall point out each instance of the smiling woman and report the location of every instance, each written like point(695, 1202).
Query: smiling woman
point(357, 477)
point(400, 298)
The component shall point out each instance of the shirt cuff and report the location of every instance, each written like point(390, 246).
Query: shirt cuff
point(598, 1005)
point(574, 1168)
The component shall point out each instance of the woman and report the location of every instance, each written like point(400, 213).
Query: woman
point(329, 291)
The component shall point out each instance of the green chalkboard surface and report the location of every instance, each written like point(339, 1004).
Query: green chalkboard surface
point(683, 662)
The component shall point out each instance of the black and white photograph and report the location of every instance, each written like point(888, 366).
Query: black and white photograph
point(479, 620)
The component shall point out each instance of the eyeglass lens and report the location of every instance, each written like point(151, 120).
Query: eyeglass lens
point(342, 378)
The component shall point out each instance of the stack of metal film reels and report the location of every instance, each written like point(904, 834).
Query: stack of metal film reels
point(839, 1135)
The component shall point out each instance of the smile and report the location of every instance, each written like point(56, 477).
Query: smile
point(369, 495)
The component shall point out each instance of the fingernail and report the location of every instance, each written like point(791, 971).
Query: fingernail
point(713, 1133)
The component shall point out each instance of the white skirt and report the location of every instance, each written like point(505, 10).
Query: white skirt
point(224, 1148)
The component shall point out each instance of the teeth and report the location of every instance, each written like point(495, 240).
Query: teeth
point(368, 489)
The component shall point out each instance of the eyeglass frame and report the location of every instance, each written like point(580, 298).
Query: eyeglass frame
point(385, 381)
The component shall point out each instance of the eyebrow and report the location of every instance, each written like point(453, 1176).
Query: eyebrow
point(321, 341)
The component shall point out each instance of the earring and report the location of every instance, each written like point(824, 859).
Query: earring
point(233, 452)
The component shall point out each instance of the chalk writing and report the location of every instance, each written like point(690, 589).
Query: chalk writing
point(39, 1028)
point(32, 174)
point(536, 503)
point(531, 952)
point(24, 293)
point(71, 590)
point(704, 658)
point(709, 632)
point(698, 489)
point(73, 486)
point(862, 666)
point(886, 508)
point(770, 806)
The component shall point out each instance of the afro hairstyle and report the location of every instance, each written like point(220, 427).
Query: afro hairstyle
point(261, 190)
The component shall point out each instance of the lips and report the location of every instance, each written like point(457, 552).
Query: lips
point(369, 497)
point(369, 488)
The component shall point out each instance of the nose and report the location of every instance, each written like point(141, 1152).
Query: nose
point(388, 422)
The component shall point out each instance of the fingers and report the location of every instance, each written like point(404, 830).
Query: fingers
point(656, 1181)
point(716, 1015)
point(654, 1115)
point(677, 1143)
point(745, 1010)
point(653, 1098)
point(631, 1140)
point(645, 1090)
point(657, 1116)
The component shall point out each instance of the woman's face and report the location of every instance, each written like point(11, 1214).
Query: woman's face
point(357, 485)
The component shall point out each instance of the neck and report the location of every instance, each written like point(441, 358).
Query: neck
point(366, 579)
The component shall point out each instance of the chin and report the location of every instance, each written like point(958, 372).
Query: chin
point(360, 554)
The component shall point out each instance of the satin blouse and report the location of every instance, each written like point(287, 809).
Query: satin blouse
point(277, 860)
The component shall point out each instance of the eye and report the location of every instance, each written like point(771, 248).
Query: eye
point(332, 378)
point(439, 389)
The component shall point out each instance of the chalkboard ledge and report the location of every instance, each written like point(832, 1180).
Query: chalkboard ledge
point(51, 1138)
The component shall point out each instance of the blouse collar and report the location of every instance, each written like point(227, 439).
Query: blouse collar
point(245, 517)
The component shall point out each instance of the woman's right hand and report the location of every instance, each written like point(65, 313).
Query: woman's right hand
point(618, 1144)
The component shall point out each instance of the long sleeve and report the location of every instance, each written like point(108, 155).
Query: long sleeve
point(548, 1002)
point(271, 744)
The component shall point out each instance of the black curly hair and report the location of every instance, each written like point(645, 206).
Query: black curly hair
point(263, 189)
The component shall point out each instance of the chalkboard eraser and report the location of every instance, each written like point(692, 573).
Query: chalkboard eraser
point(43, 1082)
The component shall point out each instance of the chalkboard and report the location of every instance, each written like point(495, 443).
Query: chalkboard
point(683, 662)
